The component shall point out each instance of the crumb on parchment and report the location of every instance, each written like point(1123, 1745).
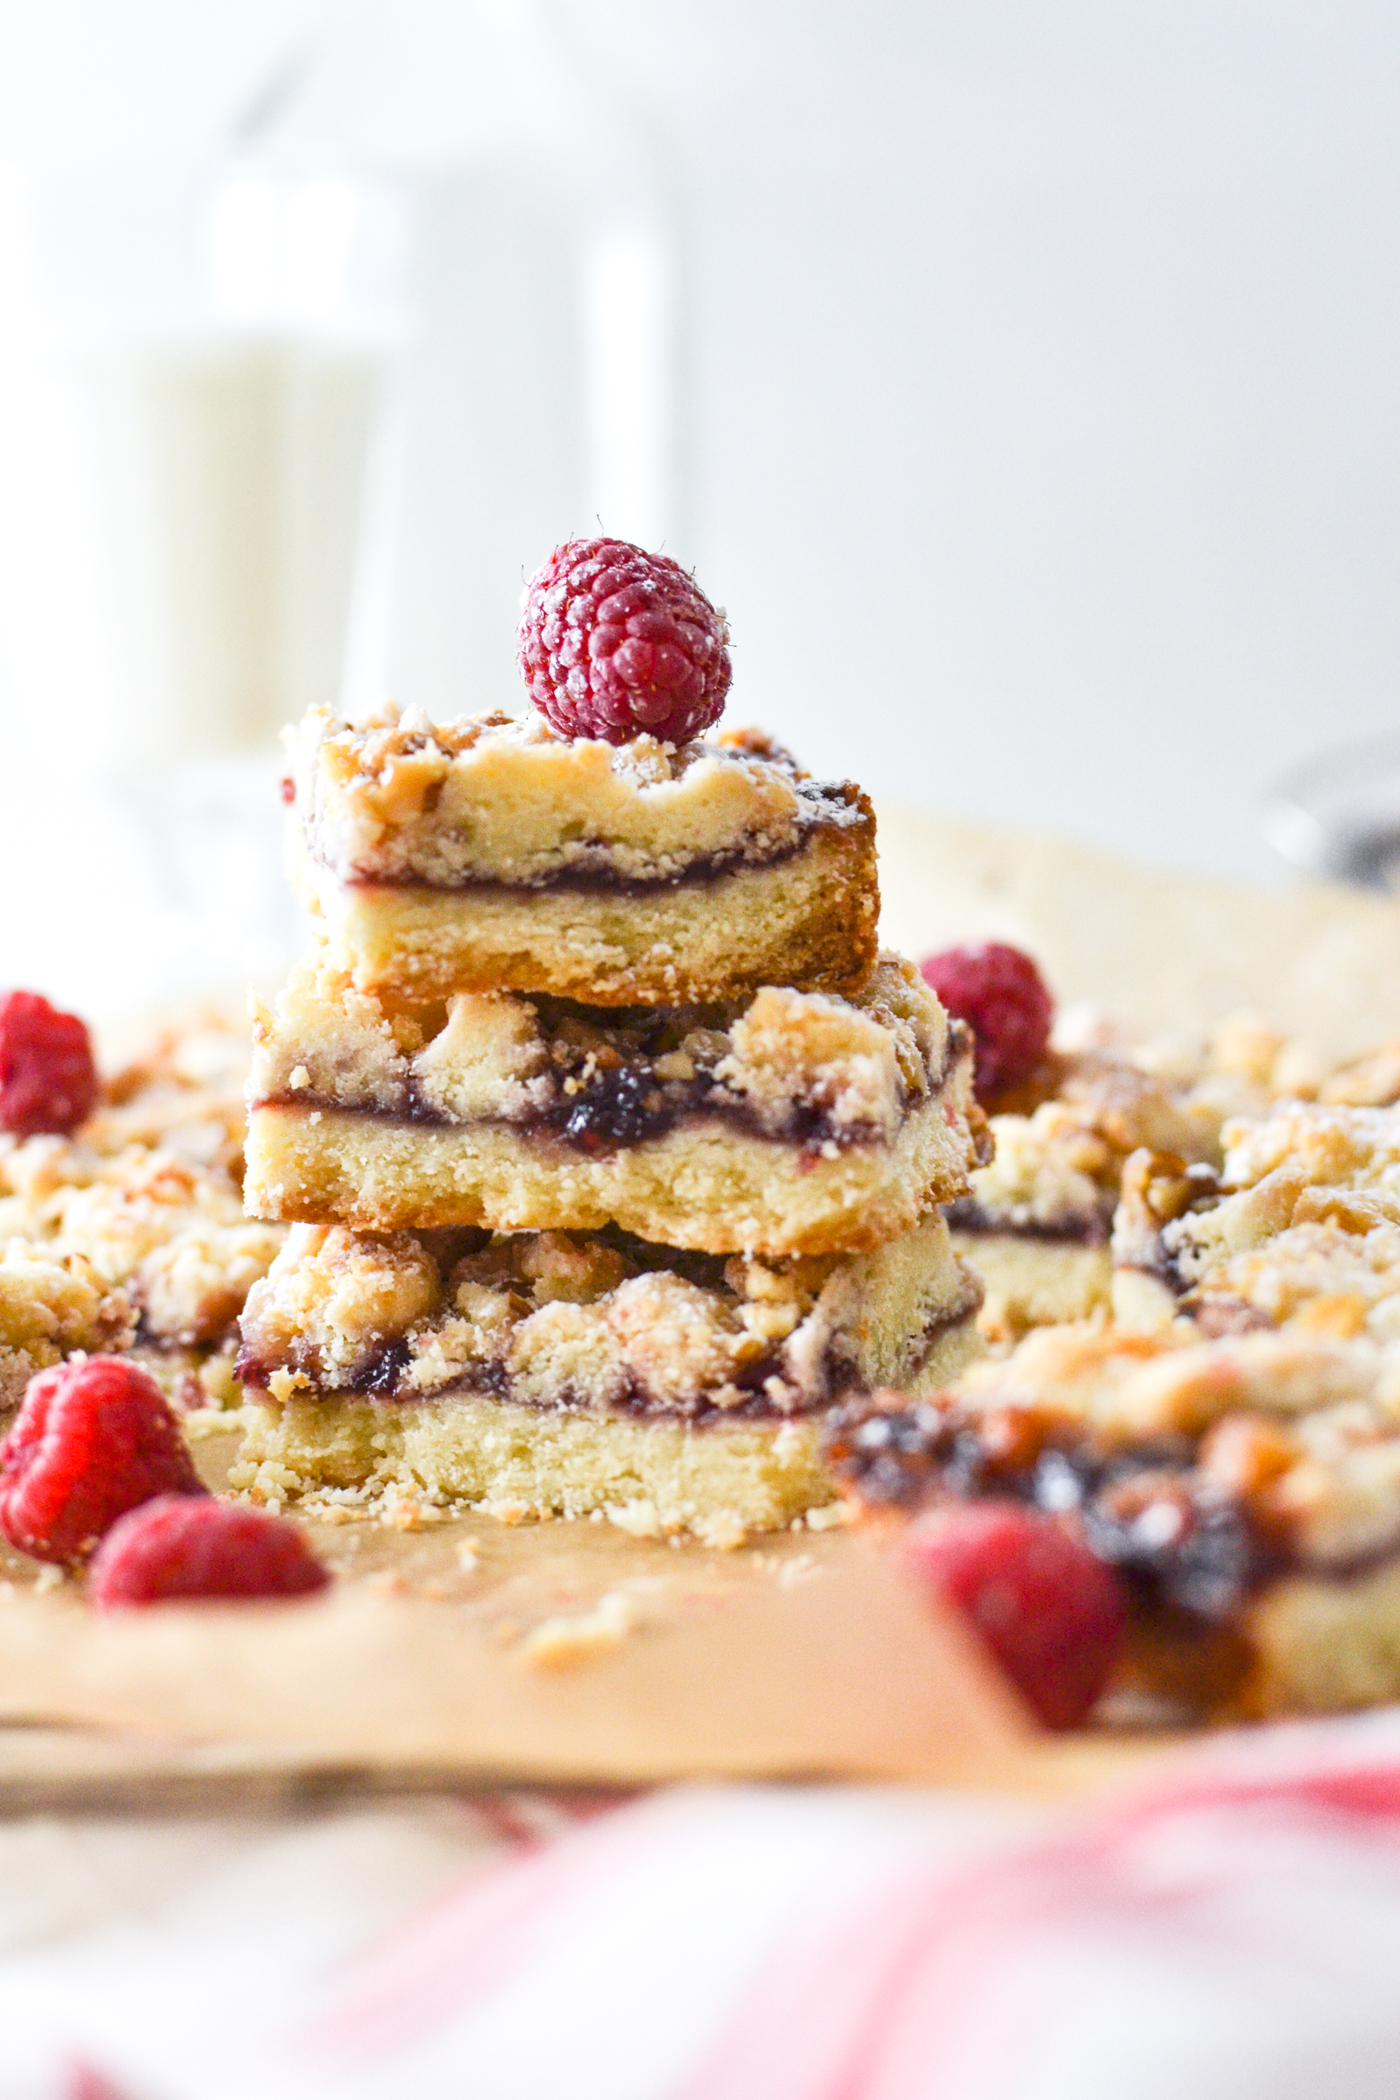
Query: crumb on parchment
point(570, 1639)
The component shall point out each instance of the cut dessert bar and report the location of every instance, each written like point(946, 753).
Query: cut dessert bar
point(795, 1123)
point(1247, 1487)
point(179, 1085)
point(550, 1372)
point(131, 1234)
point(1036, 1221)
point(488, 854)
point(170, 1233)
point(1302, 1226)
point(50, 1305)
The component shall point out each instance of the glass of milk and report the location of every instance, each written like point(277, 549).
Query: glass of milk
point(197, 432)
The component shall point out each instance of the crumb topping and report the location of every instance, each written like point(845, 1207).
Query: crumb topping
point(486, 798)
point(180, 1090)
point(132, 1229)
point(600, 1321)
point(1057, 1166)
point(51, 1305)
point(791, 1063)
point(1302, 1225)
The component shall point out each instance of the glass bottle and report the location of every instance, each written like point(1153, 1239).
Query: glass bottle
point(544, 383)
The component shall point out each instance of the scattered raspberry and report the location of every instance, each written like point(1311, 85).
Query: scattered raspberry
point(614, 641)
point(48, 1080)
point(91, 1441)
point(180, 1546)
point(1051, 1613)
point(1002, 993)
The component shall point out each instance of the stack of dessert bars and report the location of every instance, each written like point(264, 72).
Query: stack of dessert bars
point(615, 1150)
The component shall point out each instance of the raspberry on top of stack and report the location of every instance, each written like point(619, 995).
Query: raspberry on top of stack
point(614, 1151)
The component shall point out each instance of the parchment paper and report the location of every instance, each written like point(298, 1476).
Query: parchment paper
point(803, 1655)
point(1168, 953)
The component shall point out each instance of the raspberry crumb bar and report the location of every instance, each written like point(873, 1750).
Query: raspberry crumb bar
point(792, 1123)
point(494, 855)
point(613, 1152)
point(1038, 1219)
point(129, 1233)
point(51, 1304)
point(544, 1373)
point(1247, 1488)
point(1301, 1227)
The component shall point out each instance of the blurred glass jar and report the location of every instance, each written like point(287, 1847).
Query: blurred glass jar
point(198, 449)
point(198, 412)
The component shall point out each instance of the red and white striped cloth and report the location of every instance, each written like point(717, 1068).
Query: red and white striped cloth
point(1230, 1928)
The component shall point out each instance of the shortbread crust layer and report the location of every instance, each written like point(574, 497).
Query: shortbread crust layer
point(708, 1190)
point(799, 1123)
point(1035, 1280)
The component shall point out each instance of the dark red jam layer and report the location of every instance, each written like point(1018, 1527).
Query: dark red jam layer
point(1076, 1230)
point(615, 1111)
point(604, 1106)
point(381, 1378)
point(1148, 1513)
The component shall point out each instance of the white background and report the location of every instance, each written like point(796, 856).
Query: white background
point(1043, 425)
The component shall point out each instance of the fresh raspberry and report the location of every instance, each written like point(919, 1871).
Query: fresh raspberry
point(177, 1546)
point(1051, 1613)
point(91, 1441)
point(614, 641)
point(1002, 993)
point(48, 1080)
